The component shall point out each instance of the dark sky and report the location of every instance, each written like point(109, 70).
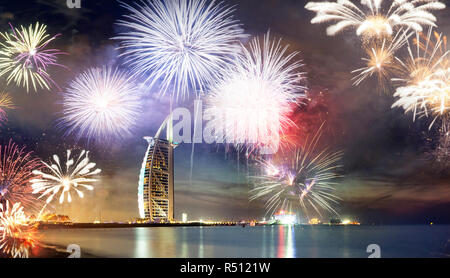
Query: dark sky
point(388, 176)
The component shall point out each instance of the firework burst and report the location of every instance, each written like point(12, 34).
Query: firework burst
point(441, 153)
point(101, 104)
point(381, 59)
point(16, 166)
point(305, 180)
point(252, 103)
point(17, 234)
point(372, 19)
point(5, 103)
point(25, 59)
point(75, 175)
point(183, 44)
point(425, 78)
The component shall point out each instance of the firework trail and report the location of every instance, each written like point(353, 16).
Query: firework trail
point(183, 44)
point(5, 103)
point(17, 234)
point(250, 105)
point(372, 19)
point(425, 78)
point(304, 180)
point(25, 59)
point(16, 166)
point(381, 59)
point(75, 175)
point(101, 104)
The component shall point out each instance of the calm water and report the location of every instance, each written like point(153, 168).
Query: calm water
point(255, 242)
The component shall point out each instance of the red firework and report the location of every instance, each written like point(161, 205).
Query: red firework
point(16, 166)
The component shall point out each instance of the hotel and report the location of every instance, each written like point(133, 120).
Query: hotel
point(156, 181)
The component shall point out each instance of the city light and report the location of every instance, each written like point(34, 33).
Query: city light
point(285, 218)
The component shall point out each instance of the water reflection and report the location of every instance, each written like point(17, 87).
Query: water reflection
point(252, 242)
point(184, 243)
point(280, 253)
point(290, 243)
point(200, 245)
point(286, 242)
point(272, 243)
point(163, 240)
point(264, 244)
point(141, 249)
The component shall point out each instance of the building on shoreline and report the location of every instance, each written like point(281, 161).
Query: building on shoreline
point(156, 180)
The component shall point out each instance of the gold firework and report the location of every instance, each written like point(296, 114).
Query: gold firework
point(6, 101)
point(380, 60)
point(425, 77)
point(18, 235)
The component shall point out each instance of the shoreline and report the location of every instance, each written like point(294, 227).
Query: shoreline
point(45, 226)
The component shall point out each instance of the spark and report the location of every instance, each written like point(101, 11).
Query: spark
point(425, 78)
point(17, 234)
point(183, 44)
point(5, 103)
point(101, 104)
point(381, 59)
point(16, 166)
point(251, 104)
point(304, 179)
point(371, 19)
point(25, 59)
point(56, 179)
point(441, 153)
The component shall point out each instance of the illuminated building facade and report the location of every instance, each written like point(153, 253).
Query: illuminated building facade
point(156, 182)
point(156, 179)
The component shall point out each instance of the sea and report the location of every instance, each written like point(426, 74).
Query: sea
point(417, 241)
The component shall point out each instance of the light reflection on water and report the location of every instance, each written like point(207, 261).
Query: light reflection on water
point(263, 242)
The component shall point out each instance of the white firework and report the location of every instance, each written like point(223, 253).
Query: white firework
point(101, 104)
point(182, 44)
point(304, 179)
point(252, 102)
point(371, 18)
point(425, 77)
point(429, 96)
point(76, 175)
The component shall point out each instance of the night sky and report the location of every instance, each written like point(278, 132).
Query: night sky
point(389, 176)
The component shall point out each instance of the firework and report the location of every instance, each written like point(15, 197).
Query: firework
point(305, 179)
point(183, 44)
point(381, 59)
point(441, 153)
point(5, 103)
point(101, 103)
point(251, 104)
point(75, 175)
point(16, 166)
point(17, 233)
point(24, 57)
point(425, 78)
point(372, 19)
